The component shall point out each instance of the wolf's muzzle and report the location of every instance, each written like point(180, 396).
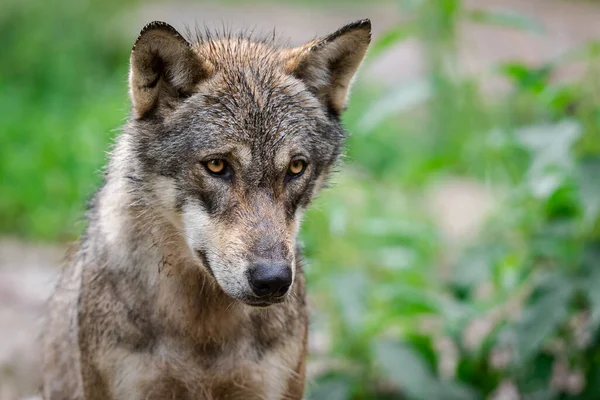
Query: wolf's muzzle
point(270, 279)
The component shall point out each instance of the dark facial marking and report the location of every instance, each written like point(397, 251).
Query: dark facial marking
point(202, 255)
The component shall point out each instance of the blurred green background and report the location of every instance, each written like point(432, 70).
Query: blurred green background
point(457, 254)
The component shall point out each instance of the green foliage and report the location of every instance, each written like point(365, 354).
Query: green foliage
point(62, 90)
point(529, 279)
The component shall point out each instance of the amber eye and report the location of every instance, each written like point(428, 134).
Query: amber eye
point(216, 166)
point(296, 167)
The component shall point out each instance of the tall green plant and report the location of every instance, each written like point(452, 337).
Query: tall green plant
point(519, 308)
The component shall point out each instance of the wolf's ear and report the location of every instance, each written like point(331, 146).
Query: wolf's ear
point(163, 69)
point(328, 65)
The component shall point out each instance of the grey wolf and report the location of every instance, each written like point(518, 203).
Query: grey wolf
point(187, 283)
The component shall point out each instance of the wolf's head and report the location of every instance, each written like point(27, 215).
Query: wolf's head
point(238, 135)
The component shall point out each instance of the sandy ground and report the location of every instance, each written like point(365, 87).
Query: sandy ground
point(28, 272)
point(27, 275)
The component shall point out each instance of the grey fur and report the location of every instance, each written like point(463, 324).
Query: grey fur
point(156, 302)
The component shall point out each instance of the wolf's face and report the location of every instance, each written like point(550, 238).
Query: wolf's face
point(237, 136)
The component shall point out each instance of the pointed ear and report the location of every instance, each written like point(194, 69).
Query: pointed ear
point(163, 69)
point(328, 65)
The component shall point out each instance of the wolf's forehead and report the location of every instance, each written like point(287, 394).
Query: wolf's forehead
point(257, 144)
point(248, 106)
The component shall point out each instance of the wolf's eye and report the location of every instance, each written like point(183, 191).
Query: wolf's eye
point(296, 167)
point(216, 166)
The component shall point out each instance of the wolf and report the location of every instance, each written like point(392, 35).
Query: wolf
point(187, 282)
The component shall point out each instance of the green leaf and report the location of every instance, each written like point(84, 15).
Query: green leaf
point(390, 38)
point(551, 148)
point(424, 345)
point(332, 388)
point(592, 389)
point(396, 101)
point(532, 79)
point(543, 394)
point(410, 300)
point(473, 267)
point(407, 368)
point(540, 318)
point(589, 182)
point(505, 18)
point(456, 391)
point(350, 291)
point(538, 376)
point(591, 284)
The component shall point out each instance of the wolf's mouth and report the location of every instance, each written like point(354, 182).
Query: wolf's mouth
point(264, 304)
point(202, 255)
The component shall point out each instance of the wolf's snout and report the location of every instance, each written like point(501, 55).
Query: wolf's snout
point(270, 278)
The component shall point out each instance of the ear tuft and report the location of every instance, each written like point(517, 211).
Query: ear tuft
point(328, 65)
point(157, 25)
point(362, 26)
point(164, 69)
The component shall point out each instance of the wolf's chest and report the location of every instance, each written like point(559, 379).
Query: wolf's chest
point(235, 371)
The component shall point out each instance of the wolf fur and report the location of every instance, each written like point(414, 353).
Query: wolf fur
point(156, 302)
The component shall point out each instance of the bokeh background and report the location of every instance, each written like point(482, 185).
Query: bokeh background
point(457, 255)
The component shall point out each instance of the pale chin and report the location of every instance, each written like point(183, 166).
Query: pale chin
point(204, 263)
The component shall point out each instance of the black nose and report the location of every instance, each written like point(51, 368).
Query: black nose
point(270, 278)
